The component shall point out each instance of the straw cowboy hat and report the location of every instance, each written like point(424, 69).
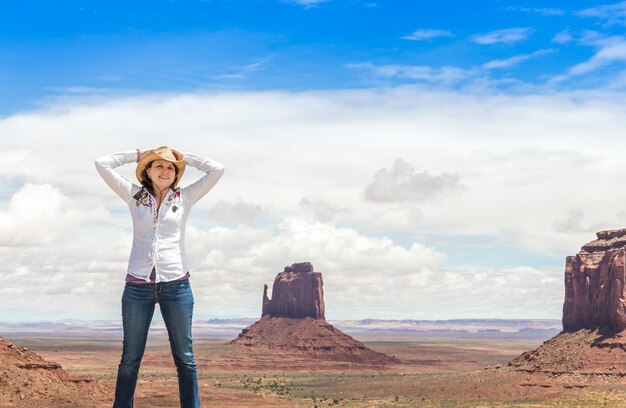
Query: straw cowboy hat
point(162, 153)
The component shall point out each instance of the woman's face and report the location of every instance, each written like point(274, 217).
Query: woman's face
point(162, 174)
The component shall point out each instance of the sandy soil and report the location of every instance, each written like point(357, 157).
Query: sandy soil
point(435, 372)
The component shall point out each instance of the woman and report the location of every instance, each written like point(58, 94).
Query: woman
point(158, 270)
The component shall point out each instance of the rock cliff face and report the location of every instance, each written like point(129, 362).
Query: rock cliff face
point(594, 285)
point(593, 341)
point(297, 293)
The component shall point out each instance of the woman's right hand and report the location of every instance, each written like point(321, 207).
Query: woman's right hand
point(143, 153)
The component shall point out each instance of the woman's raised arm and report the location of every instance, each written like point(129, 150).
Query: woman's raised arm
point(213, 170)
point(119, 184)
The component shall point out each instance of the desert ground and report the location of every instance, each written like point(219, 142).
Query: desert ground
point(447, 369)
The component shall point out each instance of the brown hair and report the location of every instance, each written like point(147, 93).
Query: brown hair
point(147, 182)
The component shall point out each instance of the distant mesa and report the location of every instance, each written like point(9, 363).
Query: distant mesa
point(293, 321)
point(593, 340)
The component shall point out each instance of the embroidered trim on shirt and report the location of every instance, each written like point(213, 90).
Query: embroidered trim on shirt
point(173, 200)
point(143, 198)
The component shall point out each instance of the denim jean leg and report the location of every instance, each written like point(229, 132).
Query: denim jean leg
point(176, 303)
point(137, 309)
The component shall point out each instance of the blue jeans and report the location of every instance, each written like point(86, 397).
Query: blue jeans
point(176, 303)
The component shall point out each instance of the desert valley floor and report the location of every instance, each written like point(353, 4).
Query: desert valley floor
point(435, 369)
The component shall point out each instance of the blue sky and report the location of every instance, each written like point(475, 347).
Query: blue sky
point(49, 49)
point(433, 160)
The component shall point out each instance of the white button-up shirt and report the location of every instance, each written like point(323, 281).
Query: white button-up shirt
point(158, 237)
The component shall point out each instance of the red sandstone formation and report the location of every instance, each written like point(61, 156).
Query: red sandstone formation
point(293, 322)
point(297, 293)
point(593, 341)
point(594, 285)
point(586, 352)
point(313, 338)
point(27, 380)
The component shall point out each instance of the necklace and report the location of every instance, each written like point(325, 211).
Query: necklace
point(159, 200)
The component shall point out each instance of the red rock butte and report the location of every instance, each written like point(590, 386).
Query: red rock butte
point(594, 285)
point(297, 292)
point(593, 341)
point(293, 322)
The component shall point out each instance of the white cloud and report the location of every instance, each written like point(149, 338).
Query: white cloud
point(473, 291)
point(505, 36)
point(563, 37)
point(610, 50)
point(23, 164)
point(427, 34)
point(306, 3)
point(398, 218)
point(321, 211)
point(302, 144)
point(573, 223)
point(236, 263)
point(544, 11)
point(41, 214)
point(78, 276)
point(505, 63)
point(238, 211)
point(618, 80)
point(613, 13)
point(610, 55)
point(402, 184)
point(442, 75)
point(243, 71)
point(389, 280)
point(449, 76)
